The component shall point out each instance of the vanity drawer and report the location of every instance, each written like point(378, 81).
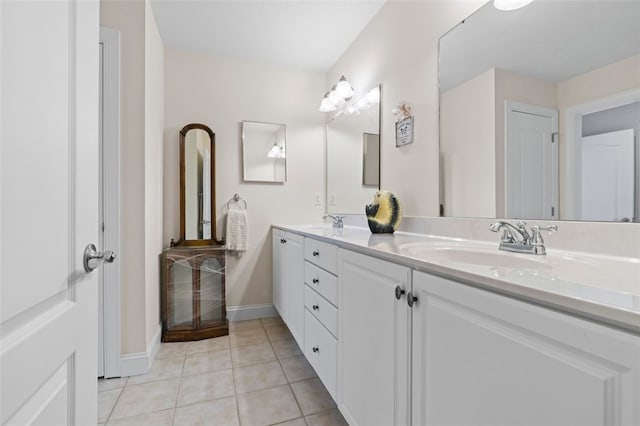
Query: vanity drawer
point(321, 349)
point(321, 281)
point(324, 311)
point(322, 254)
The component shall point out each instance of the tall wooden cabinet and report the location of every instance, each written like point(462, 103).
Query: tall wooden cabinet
point(193, 293)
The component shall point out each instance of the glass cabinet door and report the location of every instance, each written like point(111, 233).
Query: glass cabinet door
point(211, 291)
point(180, 294)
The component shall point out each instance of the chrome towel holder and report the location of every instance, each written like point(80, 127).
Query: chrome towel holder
point(236, 199)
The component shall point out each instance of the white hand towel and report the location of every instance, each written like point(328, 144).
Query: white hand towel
point(237, 229)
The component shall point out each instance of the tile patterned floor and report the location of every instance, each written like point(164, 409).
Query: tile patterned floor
point(256, 376)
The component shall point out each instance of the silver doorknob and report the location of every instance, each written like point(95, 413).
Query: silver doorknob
point(93, 258)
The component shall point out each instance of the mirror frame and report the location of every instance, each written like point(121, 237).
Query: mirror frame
point(214, 240)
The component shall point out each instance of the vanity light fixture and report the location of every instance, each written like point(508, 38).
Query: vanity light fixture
point(507, 5)
point(339, 95)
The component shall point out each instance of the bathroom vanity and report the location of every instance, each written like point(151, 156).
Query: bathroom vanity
point(426, 330)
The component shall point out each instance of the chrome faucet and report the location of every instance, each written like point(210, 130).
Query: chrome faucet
point(337, 220)
point(518, 239)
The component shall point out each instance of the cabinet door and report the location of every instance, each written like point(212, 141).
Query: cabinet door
point(278, 272)
point(294, 286)
point(373, 348)
point(484, 359)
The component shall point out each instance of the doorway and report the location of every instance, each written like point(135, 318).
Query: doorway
point(601, 116)
point(109, 289)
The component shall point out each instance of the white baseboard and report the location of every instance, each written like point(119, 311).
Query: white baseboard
point(138, 363)
point(249, 312)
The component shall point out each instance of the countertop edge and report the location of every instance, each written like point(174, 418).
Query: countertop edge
point(628, 321)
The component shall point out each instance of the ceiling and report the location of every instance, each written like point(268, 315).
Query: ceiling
point(307, 34)
point(548, 40)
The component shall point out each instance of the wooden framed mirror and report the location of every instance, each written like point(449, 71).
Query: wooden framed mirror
point(197, 186)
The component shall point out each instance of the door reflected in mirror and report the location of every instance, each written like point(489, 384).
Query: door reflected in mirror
point(353, 155)
point(522, 95)
point(264, 152)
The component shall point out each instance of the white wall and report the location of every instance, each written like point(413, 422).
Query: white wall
point(399, 48)
point(221, 93)
point(141, 121)
point(467, 148)
point(129, 18)
point(153, 168)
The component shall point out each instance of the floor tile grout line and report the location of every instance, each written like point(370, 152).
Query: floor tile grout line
point(114, 404)
point(175, 404)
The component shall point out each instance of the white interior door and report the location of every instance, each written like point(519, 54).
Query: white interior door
point(607, 184)
point(49, 211)
point(531, 161)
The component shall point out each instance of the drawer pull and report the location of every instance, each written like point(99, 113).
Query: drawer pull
point(315, 281)
point(315, 307)
point(411, 299)
point(399, 292)
point(316, 253)
point(315, 349)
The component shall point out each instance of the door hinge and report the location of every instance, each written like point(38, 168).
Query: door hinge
point(102, 226)
point(553, 211)
point(554, 135)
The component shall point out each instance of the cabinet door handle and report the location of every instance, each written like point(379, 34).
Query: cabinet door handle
point(315, 280)
point(315, 349)
point(411, 299)
point(315, 307)
point(316, 253)
point(399, 292)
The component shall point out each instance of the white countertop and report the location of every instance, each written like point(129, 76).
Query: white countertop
point(603, 288)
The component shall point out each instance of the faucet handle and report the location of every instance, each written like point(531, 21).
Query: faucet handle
point(536, 239)
point(550, 228)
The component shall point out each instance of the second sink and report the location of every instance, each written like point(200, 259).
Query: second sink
point(472, 255)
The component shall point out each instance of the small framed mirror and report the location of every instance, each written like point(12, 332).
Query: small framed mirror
point(197, 186)
point(264, 157)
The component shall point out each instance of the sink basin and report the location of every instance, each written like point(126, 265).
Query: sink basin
point(473, 255)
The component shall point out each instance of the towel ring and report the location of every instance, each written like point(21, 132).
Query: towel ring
point(236, 198)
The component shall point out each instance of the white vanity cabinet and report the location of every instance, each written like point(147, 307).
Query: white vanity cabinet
point(374, 347)
point(485, 359)
point(288, 281)
point(321, 312)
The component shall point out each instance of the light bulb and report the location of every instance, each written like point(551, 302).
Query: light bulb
point(343, 88)
point(334, 97)
point(326, 105)
point(510, 4)
point(352, 110)
point(373, 97)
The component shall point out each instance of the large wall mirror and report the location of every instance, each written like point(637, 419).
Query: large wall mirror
point(197, 186)
point(264, 152)
point(353, 155)
point(540, 112)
